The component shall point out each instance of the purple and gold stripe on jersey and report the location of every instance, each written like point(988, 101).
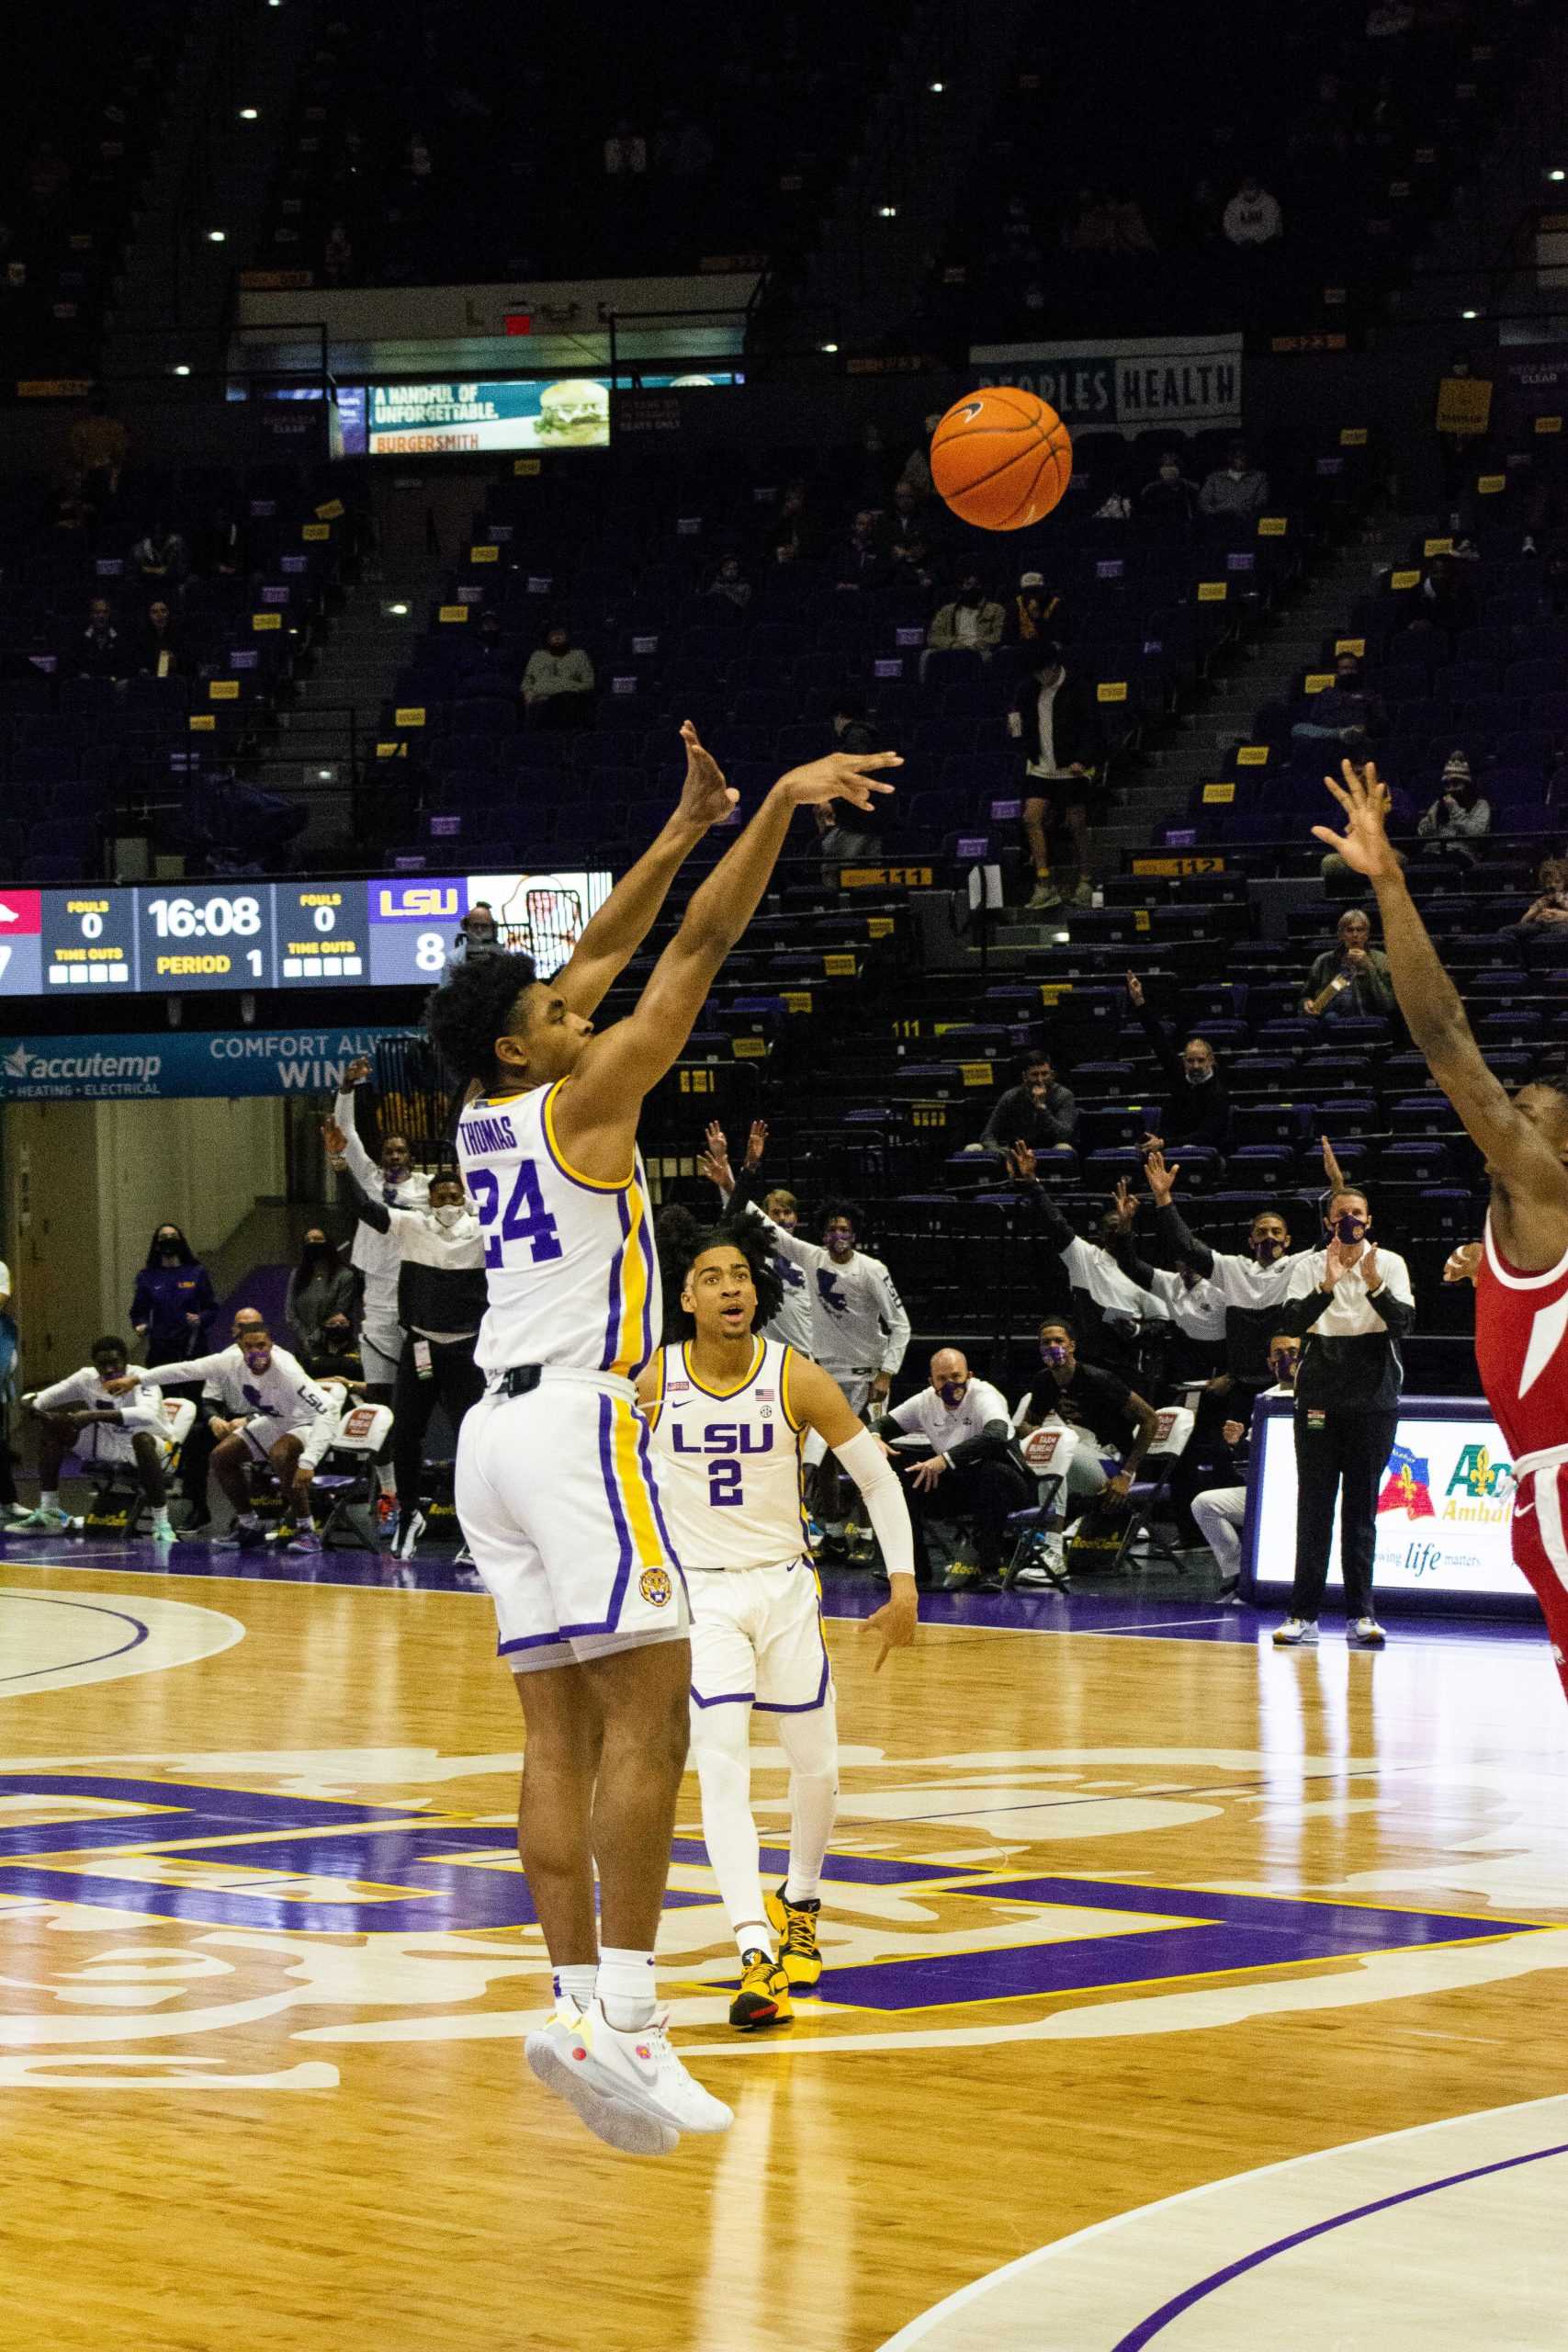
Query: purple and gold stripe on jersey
point(575, 1175)
point(629, 1324)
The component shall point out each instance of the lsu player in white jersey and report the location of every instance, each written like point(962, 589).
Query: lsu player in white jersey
point(731, 1412)
point(555, 1490)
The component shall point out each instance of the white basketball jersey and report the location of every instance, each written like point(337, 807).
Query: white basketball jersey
point(729, 1463)
point(570, 1261)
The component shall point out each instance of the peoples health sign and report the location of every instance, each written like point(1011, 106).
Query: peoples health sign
point(164, 1065)
point(1445, 1504)
point(1127, 387)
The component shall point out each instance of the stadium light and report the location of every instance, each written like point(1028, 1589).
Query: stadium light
point(936, 88)
point(1469, 314)
point(217, 236)
point(248, 114)
point(828, 346)
point(182, 370)
point(399, 612)
point(887, 212)
point(1557, 174)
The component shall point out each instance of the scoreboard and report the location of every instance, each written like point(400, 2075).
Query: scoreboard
point(170, 937)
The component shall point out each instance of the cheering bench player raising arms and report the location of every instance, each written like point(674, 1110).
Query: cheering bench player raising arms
point(730, 1411)
point(555, 1489)
point(1521, 1280)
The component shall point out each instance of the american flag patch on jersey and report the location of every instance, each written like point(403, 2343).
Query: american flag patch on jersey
point(765, 1396)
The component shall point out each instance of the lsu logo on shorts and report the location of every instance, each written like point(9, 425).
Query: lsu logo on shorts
point(655, 1586)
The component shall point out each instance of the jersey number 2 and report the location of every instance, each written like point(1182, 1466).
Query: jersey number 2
point(724, 1484)
point(526, 1219)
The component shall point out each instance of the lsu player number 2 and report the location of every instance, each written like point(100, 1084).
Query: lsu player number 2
point(526, 1221)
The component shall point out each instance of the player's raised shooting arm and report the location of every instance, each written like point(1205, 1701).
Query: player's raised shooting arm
point(173, 1376)
point(1526, 1170)
point(361, 1167)
point(596, 1109)
point(615, 933)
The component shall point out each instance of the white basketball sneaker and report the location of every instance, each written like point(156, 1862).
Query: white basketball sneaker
point(639, 2071)
point(1296, 1634)
point(558, 2055)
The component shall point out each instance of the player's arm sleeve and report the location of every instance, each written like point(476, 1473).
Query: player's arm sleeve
point(896, 1316)
point(144, 1409)
point(809, 1254)
point(62, 1396)
point(361, 1167)
point(183, 1375)
point(1176, 1236)
point(884, 1504)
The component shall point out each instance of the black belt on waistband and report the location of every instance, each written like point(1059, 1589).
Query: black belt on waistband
point(520, 1380)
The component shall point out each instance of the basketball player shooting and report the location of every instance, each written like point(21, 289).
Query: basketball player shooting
point(1521, 1280)
point(555, 1489)
point(730, 1413)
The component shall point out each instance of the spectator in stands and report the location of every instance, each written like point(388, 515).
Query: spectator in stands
point(100, 653)
point(487, 653)
point(161, 653)
point(1055, 720)
point(1346, 712)
point(1252, 219)
point(1459, 816)
point(1107, 226)
point(910, 535)
point(972, 1473)
point(161, 554)
point(1101, 1405)
point(478, 934)
point(851, 836)
point(1198, 1110)
point(1351, 976)
point(320, 1288)
point(558, 685)
point(730, 585)
point(1221, 1511)
point(1038, 612)
point(223, 548)
point(793, 535)
point(1444, 601)
point(971, 622)
point(625, 152)
point(1039, 1111)
point(1110, 1311)
point(1171, 497)
point(1238, 487)
point(337, 255)
point(1549, 910)
point(917, 470)
point(99, 443)
point(862, 560)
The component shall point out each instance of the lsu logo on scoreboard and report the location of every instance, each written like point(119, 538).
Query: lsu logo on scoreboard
point(423, 901)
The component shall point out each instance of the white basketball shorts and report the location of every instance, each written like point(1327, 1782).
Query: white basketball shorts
point(757, 1640)
point(556, 1494)
point(109, 1448)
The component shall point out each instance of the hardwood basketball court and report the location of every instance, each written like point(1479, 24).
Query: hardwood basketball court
point(1123, 1905)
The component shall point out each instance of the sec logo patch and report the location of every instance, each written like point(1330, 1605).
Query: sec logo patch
point(655, 1586)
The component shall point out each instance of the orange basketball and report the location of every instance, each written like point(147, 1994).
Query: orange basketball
point(1000, 458)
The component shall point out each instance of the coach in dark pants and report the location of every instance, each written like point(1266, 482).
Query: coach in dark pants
point(1351, 1304)
point(973, 1471)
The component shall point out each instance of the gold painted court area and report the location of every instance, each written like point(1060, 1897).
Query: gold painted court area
point(1116, 1916)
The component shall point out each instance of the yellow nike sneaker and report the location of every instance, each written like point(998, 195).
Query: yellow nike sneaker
point(763, 1998)
point(797, 1926)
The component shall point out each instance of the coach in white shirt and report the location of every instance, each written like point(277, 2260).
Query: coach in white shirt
point(972, 1471)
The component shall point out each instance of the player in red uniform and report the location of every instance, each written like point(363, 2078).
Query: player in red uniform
point(1521, 1286)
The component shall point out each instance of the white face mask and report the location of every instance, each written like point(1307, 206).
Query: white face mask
point(448, 1217)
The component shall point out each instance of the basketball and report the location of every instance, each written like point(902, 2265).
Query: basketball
point(1001, 458)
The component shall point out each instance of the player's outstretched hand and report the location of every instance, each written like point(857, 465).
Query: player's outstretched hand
point(1464, 1264)
point(705, 799)
point(1331, 1168)
point(756, 1143)
point(356, 1073)
point(840, 776)
point(335, 1138)
point(1023, 1162)
point(1364, 844)
point(894, 1624)
point(714, 1161)
point(1162, 1180)
point(1125, 1202)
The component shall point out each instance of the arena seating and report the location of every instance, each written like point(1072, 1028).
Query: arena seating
point(744, 126)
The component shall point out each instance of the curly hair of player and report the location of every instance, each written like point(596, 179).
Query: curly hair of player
point(682, 1238)
point(474, 1006)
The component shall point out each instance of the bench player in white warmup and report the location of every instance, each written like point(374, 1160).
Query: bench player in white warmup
point(731, 1412)
point(555, 1490)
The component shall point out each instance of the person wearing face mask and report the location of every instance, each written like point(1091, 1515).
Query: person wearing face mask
point(1198, 1111)
point(1459, 816)
point(336, 1358)
point(1110, 1310)
point(172, 1309)
point(400, 1185)
point(321, 1285)
point(1351, 1305)
point(441, 1303)
point(272, 1411)
point(792, 1322)
point(971, 622)
point(1169, 498)
point(1220, 1512)
point(1352, 976)
point(972, 1473)
point(1253, 1283)
point(1237, 489)
point(1088, 1398)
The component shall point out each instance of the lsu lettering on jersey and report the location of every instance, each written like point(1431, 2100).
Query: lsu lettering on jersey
point(569, 1265)
point(729, 1463)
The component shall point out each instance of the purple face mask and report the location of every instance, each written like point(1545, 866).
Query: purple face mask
point(952, 1392)
point(1053, 1352)
point(1348, 1228)
point(1283, 1369)
point(1266, 1247)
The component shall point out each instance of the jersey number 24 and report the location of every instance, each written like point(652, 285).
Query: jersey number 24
point(526, 1218)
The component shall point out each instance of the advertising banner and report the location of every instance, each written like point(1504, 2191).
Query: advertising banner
point(1127, 387)
point(163, 1064)
point(1444, 1507)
